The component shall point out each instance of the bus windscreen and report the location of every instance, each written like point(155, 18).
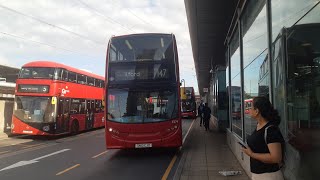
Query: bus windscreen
point(134, 48)
point(136, 106)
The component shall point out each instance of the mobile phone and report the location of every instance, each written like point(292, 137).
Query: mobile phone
point(244, 146)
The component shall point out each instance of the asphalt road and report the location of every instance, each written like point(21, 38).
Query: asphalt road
point(83, 156)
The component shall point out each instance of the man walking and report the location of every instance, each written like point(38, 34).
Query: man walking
point(200, 113)
point(206, 116)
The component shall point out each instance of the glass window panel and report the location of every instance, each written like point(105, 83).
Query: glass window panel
point(141, 105)
point(303, 47)
point(256, 83)
point(142, 48)
point(36, 73)
point(312, 17)
point(236, 93)
point(72, 76)
point(90, 81)
point(255, 38)
point(82, 79)
point(34, 109)
point(286, 13)
point(255, 59)
point(75, 106)
point(64, 75)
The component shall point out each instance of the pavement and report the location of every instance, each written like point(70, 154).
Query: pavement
point(204, 154)
point(3, 136)
point(5, 140)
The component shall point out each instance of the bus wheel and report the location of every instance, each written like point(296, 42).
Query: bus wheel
point(75, 127)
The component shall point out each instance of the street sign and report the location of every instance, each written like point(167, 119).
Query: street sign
point(205, 90)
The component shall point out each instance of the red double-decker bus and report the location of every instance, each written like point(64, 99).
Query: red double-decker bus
point(143, 92)
point(53, 99)
point(188, 102)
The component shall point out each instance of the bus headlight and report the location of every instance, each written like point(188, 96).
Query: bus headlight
point(12, 126)
point(46, 128)
point(110, 129)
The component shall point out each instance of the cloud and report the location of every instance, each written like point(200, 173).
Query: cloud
point(5, 61)
point(77, 32)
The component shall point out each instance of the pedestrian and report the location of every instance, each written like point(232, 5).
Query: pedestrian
point(206, 116)
point(200, 113)
point(265, 144)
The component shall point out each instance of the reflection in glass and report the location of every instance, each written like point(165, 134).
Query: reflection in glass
point(255, 59)
point(36, 73)
point(142, 58)
point(304, 96)
point(130, 105)
point(34, 109)
point(256, 83)
point(286, 13)
point(137, 48)
point(236, 93)
point(255, 38)
point(312, 17)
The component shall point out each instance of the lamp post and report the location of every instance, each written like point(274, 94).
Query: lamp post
point(183, 96)
point(184, 83)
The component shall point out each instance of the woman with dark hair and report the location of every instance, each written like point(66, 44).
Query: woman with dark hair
point(265, 143)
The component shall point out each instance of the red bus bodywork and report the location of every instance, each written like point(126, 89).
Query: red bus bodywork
point(167, 133)
point(57, 93)
point(247, 105)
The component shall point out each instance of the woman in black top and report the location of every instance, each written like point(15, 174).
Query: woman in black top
point(265, 153)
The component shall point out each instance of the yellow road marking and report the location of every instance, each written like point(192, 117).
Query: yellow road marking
point(2, 152)
point(166, 174)
point(99, 154)
point(68, 169)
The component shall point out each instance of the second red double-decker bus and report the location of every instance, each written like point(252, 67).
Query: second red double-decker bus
point(188, 102)
point(143, 92)
point(53, 98)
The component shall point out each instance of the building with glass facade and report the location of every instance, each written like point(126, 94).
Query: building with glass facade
point(272, 49)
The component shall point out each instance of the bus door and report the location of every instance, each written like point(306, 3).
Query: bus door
point(63, 115)
point(90, 114)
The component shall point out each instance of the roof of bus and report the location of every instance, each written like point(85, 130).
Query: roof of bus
point(141, 34)
point(188, 88)
point(56, 65)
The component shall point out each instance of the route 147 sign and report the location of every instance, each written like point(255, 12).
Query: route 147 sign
point(205, 90)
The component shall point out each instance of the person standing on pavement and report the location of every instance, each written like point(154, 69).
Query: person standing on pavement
point(206, 116)
point(265, 144)
point(200, 113)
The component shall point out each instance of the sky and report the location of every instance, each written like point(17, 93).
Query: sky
point(76, 32)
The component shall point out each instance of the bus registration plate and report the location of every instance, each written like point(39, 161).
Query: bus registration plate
point(149, 145)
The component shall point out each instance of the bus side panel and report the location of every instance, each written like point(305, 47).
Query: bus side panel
point(174, 140)
point(81, 121)
point(98, 120)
